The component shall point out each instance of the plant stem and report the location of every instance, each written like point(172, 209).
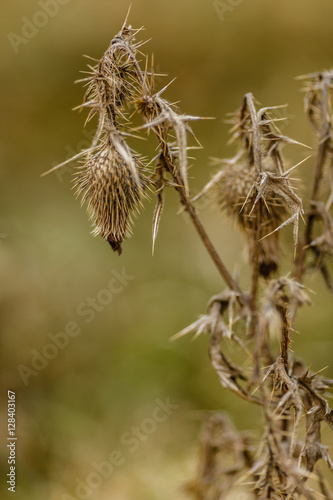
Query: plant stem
point(256, 147)
point(200, 229)
point(166, 157)
point(285, 340)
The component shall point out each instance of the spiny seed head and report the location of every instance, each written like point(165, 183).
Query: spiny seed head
point(113, 192)
point(109, 84)
point(232, 190)
point(113, 79)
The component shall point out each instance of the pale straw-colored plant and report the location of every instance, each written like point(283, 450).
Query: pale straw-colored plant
point(256, 190)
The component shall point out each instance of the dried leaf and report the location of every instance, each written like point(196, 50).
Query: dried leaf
point(157, 216)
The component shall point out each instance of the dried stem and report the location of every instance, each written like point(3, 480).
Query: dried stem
point(200, 229)
point(285, 340)
point(256, 148)
point(256, 143)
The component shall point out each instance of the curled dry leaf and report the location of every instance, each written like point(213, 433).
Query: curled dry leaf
point(213, 320)
point(213, 323)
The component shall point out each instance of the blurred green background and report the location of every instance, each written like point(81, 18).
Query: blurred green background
point(106, 380)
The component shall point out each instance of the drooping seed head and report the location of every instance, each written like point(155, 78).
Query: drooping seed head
point(112, 191)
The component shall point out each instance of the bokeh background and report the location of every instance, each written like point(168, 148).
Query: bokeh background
point(107, 379)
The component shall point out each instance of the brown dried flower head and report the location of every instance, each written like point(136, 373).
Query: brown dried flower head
point(232, 194)
point(111, 184)
point(254, 187)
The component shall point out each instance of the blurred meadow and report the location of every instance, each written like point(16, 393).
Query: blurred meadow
point(105, 381)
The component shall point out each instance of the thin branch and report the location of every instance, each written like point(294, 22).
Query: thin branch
point(186, 202)
point(256, 147)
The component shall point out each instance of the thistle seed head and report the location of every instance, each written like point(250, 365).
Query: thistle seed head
point(232, 191)
point(112, 191)
point(109, 87)
point(113, 80)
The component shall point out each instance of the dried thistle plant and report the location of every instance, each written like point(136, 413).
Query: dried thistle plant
point(256, 190)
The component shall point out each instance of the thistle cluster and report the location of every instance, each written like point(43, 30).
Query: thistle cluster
point(113, 180)
point(254, 189)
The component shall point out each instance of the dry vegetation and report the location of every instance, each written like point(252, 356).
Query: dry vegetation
point(256, 190)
